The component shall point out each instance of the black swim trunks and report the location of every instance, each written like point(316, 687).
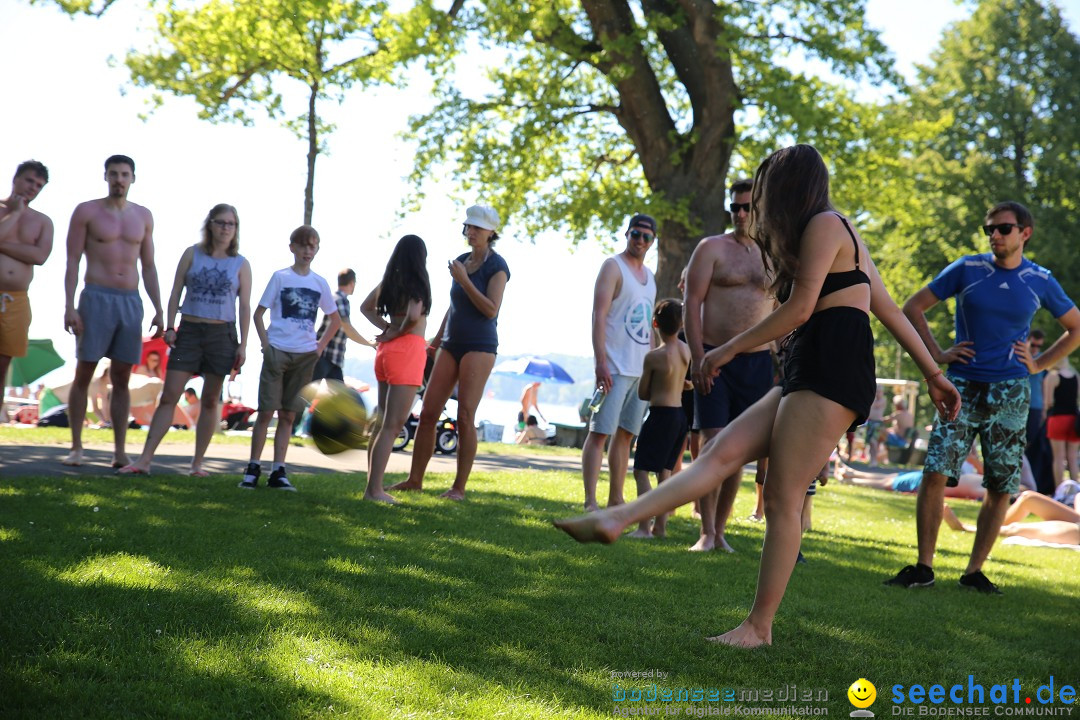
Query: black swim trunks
point(661, 441)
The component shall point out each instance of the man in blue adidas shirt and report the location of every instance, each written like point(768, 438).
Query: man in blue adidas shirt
point(997, 294)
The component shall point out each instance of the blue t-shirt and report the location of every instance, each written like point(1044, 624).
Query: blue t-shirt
point(465, 325)
point(994, 307)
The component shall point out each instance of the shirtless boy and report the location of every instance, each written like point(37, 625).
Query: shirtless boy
point(26, 239)
point(664, 432)
point(116, 236)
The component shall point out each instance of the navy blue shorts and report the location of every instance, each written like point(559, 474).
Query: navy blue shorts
point(740, 384)
point(661, 442)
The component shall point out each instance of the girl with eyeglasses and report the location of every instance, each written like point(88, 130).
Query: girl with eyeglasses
point(827, 285)
point(215, 281)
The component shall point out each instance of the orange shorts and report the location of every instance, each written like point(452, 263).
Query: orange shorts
point(14, 323)
point(401, 361)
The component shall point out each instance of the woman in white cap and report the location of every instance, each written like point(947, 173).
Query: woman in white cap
point(466, 343)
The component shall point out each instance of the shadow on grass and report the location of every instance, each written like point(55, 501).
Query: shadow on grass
point(254, 593)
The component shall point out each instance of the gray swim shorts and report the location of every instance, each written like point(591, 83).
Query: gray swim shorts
point(112, 325)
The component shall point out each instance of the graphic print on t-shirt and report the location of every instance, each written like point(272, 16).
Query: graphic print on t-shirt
point(300, 305)
point(211, 285)
point(638, 322)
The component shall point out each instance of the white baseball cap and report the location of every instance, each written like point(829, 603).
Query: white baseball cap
point(482, 216)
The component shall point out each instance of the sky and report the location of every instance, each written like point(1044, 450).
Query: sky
point(67, 105)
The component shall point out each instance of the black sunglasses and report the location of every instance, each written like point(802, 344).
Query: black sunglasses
point(636, 234)
point(1002, 228)
point(736, 207)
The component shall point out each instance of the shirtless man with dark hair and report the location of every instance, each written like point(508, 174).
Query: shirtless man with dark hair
point(116, 236)
point(26, 239)
point(726, 293)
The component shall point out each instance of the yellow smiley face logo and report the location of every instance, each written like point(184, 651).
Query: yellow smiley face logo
point(862, 693)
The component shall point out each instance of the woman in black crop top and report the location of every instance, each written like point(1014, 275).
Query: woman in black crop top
point(1060, 389)
point(833, 284)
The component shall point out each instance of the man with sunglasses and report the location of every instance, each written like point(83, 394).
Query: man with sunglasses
point(623, 300)
point(997, 294)
point(726, 293)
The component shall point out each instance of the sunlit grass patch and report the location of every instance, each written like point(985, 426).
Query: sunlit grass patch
point(120, 569)
point(189, 601)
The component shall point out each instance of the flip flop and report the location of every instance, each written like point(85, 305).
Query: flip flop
point(131, 470)
point(198, 473)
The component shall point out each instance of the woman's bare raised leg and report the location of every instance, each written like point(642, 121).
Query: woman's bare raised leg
point(806, 429)
point(1042, 507)
point(744, 440)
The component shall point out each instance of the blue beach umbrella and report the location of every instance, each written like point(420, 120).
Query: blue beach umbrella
point(535, 368)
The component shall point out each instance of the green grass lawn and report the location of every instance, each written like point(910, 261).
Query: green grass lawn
point(192, 599)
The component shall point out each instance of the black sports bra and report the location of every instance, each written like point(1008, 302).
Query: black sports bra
point(848, 278)
point(837, 280)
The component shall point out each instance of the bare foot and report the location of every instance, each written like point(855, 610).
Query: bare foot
point(453, 494)
point(594, 527)
point(722, 544)
point(407, 485)
point(383, 497)
point(659, 533)
point(704, 544)
point(613, 502)
point(754, 517)
point(744, 636)
point(74, 459)
point(950, 518)
point(120, 461)
point(591, 507)
point(642, 533)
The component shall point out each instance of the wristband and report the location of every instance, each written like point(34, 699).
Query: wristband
point(931, 377)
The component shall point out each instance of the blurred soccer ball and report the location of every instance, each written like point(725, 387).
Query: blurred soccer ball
point(339, 419)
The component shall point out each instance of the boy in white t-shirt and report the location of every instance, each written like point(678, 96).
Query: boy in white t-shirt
point(290, 348)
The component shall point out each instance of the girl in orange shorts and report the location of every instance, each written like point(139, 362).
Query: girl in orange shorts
point(399, 305)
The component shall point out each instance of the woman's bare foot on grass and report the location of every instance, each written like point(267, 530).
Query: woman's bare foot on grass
point(641, 533)
point(744, 636)
point(594, 527)
point(380, 496)
point(705, 543)
point(722, 544)
point(591, 507)
point(453, 494)
point(407, 485)
point(74, 459)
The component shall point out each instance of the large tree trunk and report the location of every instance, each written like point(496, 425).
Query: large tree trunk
point(688, 167)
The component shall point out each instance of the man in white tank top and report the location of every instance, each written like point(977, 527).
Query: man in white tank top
point(623, 300)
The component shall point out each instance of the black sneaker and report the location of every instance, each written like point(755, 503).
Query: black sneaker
point(913, 576)
point(251, 477)
point(801, 560)
point(978, 581)
point(279, 481)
